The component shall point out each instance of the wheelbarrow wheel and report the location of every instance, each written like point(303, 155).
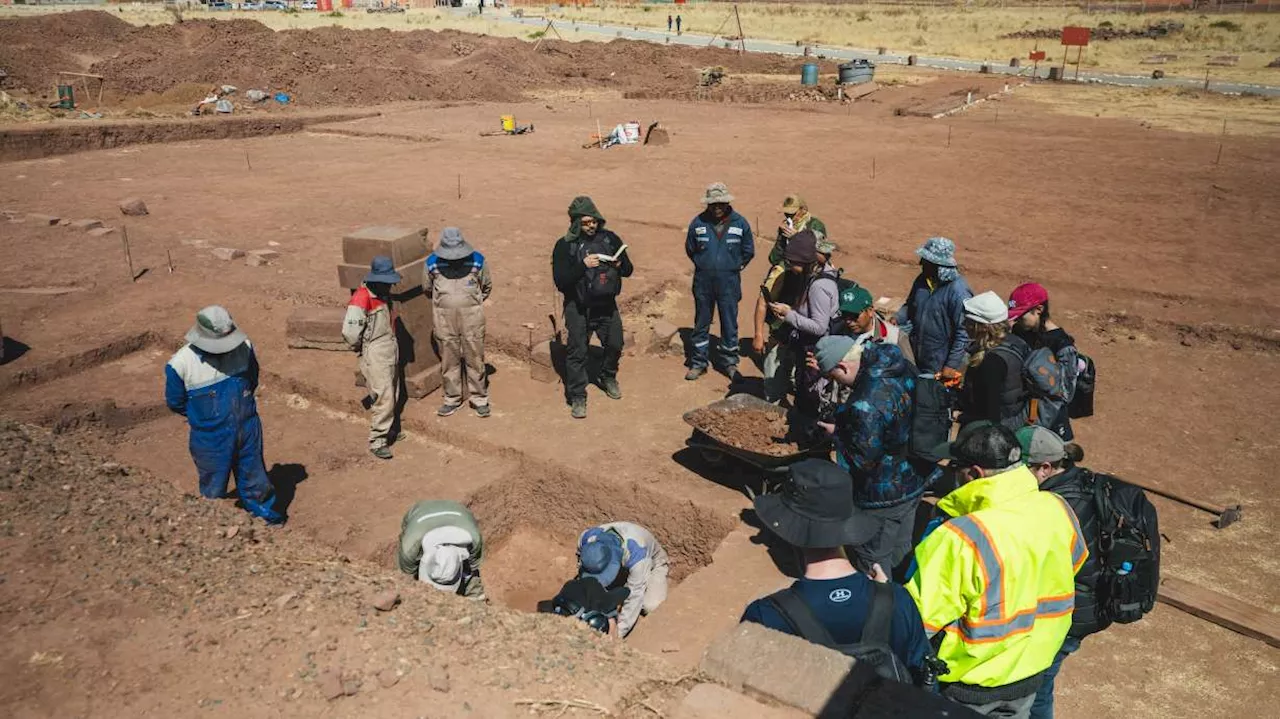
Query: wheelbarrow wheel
point(713, 457)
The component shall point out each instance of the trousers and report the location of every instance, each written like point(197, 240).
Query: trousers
point(1008, 709)
point(778, 367)
point(379, 361)
point(235, 449)
point(892, 543)
point(1042, 707)
point(719, 293)
point(580, 322)
point(460, 337)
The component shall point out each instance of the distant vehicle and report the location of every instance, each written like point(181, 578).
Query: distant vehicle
point(309, 5)
point(379, 7)
point(275, 5)
point(250, 5)
point(219, 5)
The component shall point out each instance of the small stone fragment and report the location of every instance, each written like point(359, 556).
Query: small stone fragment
point(133, 207)
point(231, 532)
point(330, 684)
point(43, 219)
point(386, 600)
point(284, 601)
point(227, 253)
point(388, 678)
point(85, 225)
point(101, 231)
point(253, 260)
point(265, 254)
point(438, 677)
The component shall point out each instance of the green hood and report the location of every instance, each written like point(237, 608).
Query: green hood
point(582, 206)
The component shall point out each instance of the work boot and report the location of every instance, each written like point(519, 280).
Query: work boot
point(611, 388)
point(695, 373)
point(383, 452)
point(448, 409)
point(579, 408)
point(482, 411)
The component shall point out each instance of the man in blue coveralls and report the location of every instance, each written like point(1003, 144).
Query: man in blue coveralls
point(211, 381)
point(720, 244)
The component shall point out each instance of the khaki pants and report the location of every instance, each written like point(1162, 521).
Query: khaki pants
point(378, 363)
point(655, 590)
point(460, 336)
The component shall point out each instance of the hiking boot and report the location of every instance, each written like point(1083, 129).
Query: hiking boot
point(578, 408)
point(383, 452)
point(611, 388)
point(448, 409)
point(695, 373)
point(482, 411)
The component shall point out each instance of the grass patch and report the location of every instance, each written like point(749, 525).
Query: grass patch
point(1182, 109)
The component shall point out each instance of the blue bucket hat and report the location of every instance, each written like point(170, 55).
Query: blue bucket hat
point(382, 269)
point(600, 556)
point(938, 250)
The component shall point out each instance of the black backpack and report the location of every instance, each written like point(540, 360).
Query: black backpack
point(1082, 401)
point(1121, 527)
point(602, 282)
point(872, 647)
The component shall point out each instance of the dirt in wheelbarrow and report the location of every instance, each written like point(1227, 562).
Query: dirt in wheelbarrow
point(751, 430)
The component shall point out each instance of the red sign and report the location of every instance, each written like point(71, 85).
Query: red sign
point(1075, 36)
point(1037, 56)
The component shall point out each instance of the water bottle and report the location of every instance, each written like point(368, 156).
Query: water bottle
point(1124, 569)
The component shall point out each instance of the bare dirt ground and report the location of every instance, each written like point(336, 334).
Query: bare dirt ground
point(1160, 262)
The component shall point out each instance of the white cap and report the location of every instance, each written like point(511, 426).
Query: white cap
point(986, 308)
point(441, 565)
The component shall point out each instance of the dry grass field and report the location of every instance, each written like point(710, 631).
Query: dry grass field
point(974, 32)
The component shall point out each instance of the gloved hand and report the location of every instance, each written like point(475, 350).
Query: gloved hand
point(950, 377)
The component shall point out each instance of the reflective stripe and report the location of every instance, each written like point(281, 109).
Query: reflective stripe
point(1079, 551)
point(975, 535)
point(1025, 621)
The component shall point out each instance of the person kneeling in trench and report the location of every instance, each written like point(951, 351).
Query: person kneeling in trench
point(440, 543)
point(604, 553)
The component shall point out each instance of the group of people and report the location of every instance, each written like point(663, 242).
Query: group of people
point(1027, 552)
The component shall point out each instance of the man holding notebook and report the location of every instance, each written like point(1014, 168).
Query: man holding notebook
point(588, 264)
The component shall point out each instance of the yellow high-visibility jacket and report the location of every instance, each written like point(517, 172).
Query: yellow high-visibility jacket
point(999, 578)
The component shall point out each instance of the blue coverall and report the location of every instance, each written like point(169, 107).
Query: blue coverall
point(718, 258)
point(215, 392)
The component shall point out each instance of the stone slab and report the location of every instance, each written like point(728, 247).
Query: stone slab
point(101, 231)
point(777, 666)
point(85, 225)
point(43, 219)
point(315, 323)
point(227, 253)
point(350, 276)
point(402, 244)
point(268, 255)
point(423, 383)
point(255, 261)
point(133, 207)
point(660, 337)
point(711, 701)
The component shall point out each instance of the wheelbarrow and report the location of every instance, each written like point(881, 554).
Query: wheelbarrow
point(718, 451)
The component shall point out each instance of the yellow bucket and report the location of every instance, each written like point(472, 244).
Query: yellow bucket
point(508, 123)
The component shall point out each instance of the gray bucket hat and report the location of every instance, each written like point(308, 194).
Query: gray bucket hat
point(717, 193)
point(215, 332)
point(452, 245)
point(938, 250)
point(382, 269)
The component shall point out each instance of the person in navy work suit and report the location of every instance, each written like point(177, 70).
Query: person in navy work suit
point(815, 513)
point(720, 244)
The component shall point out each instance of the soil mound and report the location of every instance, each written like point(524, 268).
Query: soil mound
point(753, 430)
point(121, 596)
point(327, 66)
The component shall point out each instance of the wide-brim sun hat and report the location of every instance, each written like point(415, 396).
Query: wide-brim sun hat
point(215, 332)
point(792, 204)
point(815, 510)
point(938, 250)
point(382, 269)
point(717, 194)
point(442, 566)
point(452, 245)
point(600, 557)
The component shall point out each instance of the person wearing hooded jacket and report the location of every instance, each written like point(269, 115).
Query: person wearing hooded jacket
point(1053, 365)
point(872, 429)
point(370, 329)
point(586, 273)
point(810, 319)
point(933, 315)
point(211, 381)
point(720, 244)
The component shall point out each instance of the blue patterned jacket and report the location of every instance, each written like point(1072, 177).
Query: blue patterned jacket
point(873, 430)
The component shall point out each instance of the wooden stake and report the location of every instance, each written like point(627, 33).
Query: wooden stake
point(742, 40)
point(246, 160)
point(128, 257)
point(599, 134)
point(170, 256)
point(948, 136)
point(873, 168)
point(459, 186)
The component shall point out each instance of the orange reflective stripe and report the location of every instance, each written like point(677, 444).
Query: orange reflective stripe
point(974, 534)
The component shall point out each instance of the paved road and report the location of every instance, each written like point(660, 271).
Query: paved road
point(657, 36)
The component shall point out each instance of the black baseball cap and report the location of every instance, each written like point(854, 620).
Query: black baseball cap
point(967, 450)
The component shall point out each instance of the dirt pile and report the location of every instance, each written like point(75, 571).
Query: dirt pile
point(753, 430)
point(122, 597)
point(1152, 31)
point(327, 66)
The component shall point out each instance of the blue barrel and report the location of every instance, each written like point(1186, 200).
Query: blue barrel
point(809, 74)
point(857, 72)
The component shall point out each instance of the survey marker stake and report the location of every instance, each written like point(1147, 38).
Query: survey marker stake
point(128, 258)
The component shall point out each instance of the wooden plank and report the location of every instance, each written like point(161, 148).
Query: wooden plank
point(78, 74)
point(1222, 610)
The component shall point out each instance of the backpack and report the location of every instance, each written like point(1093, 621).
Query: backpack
point(1082, 401)
point(1121, 527)
point(1050, 383)
point(602, 282)
point(872, 647)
